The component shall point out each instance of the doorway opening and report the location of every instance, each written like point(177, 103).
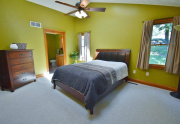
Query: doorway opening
point(55, 49)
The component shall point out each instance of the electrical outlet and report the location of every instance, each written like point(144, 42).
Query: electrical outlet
point(134, 71)
point(147, 73)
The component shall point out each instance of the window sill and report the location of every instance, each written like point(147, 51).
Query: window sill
point(156, 66)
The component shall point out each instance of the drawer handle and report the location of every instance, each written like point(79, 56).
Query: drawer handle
point(22, 60)
point(21, 54)
point(22, 66)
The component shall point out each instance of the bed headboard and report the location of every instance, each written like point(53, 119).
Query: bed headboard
point(117, 55)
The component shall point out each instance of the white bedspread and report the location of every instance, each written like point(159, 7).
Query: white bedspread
point(120, 67)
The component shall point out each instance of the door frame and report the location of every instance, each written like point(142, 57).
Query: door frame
point(63, 39)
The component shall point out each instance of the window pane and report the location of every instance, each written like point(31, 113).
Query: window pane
point(82, 41)
point(161, 33)
point(160, 36)
point(158, 54)
point(82, 51)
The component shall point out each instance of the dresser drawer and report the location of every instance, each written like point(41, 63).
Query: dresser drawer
point(16, 68)
point(21, 60)
point(23, 73)
point(23, 80)
point(20, 54)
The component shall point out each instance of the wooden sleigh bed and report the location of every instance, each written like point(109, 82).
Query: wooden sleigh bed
point(117, 55)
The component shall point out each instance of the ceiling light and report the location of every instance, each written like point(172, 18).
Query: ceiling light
point(83, 14)
point(78, 14)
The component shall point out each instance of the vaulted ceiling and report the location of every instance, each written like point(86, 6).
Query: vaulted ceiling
point(65, 9)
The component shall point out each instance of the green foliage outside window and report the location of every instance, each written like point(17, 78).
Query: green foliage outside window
point(160, 43)
point(158, 54)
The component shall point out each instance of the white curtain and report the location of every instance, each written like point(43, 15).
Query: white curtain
point(80, 48)
point(87, 46)
point(84, 51)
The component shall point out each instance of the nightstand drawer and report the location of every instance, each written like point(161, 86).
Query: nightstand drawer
point(21, 60)
point(16, 68)
point(23, 73)
point(19, 54)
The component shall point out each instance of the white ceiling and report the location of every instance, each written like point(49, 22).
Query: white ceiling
point(65, 9)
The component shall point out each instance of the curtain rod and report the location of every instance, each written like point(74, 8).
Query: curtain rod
point(159, 19)
point(85, 32)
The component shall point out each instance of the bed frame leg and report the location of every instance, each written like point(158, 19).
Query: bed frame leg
point(2, 88)
point(91, 111)
point(126, 79)
point(54, 84)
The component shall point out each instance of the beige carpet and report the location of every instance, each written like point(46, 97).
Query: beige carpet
point(39, 103)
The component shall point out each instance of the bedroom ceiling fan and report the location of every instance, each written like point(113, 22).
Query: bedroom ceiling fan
point(82, 8)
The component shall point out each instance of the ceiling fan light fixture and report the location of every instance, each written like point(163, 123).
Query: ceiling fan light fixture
point(83, 14)
point(78, 14)
point(81, 8)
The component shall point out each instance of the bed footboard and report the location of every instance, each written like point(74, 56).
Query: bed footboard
point(71, 91)
point(80, 96)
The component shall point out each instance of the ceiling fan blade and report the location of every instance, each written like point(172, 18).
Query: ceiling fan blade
point(71, 12)
point(96, 9)
point(84, 3)
point(66, 4)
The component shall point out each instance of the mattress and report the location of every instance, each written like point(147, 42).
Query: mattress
point(120, 67)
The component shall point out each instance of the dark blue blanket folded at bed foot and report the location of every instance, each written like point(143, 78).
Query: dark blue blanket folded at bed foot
point(89, 82)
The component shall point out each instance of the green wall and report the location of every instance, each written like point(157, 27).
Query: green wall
point(15, 17)
point(53, 44)
point(120, 27)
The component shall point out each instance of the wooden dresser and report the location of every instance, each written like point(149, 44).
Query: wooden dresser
point(16, 68)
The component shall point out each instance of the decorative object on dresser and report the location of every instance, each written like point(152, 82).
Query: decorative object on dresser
point(21, 46)
point(16, 68)
point(13, 46)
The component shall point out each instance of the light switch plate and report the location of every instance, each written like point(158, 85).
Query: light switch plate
point(147, 73)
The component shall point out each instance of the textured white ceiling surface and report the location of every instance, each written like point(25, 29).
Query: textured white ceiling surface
point(65, 9)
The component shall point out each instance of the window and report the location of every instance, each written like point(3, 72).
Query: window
point(82, 47)
point(160, 42)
